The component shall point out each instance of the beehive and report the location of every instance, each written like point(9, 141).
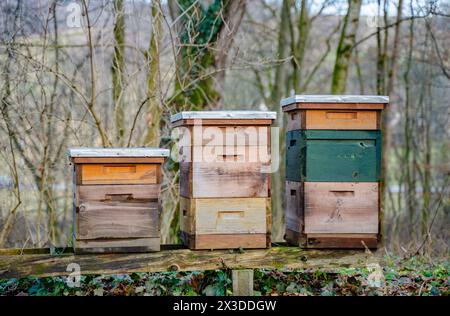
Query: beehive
point(333, 161)
point(224, 178)
point(116, 199)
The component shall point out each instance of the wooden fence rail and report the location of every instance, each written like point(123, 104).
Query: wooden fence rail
point(15, 263)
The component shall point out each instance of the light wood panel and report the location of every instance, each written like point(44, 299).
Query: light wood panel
point(218, 171)
point(229, 179)
point(226, 216)
point(259, 154)
point(341, 207)
point(117, 220)
point(121, 192)
point(245, 222)
point(224, 136)
point(342, 119)
point(226, 241)
point(119, 173)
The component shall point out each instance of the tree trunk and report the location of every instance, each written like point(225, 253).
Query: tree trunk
point(280, 90)
point(233, 18)
point(205, 40)
point(118, 68)
point(381, 59)
point(280, 87)
point(154, 106)
point(386, 130)
point(205, 36)
point(344, 49)
point(299, 47)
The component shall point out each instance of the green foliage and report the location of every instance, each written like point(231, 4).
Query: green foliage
point(201, 27)
point(411, 277)
point(142, 284)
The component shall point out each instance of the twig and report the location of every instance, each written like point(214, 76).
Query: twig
point(133, 126)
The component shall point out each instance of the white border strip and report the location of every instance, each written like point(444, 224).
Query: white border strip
point(223, 115)
point(118, 152)
point(334, 99)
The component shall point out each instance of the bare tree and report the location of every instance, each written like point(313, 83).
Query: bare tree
point(344, 48)
point(118, 69)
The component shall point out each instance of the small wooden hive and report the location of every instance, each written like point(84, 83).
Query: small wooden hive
point(333, 161)
point(116, 199)
point(224, 178)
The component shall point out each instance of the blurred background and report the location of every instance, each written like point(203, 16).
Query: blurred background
point(110, 73)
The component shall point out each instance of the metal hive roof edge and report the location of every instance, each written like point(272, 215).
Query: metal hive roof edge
point(117, 152)
point(223, 115)
point(334, 99)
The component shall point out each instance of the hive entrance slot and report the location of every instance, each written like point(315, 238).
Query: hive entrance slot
point(231, 214)
point(108, 169)
point(343, 192)
point(231, 157)
point(119, 197)
point(333, 115)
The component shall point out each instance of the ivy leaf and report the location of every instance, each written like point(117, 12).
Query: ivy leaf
point(210, 290)
point(427, 273)
point(139, 289)
point(98, 291)
point(292, 288)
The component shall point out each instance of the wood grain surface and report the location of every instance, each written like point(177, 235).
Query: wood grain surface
point(120, 192)
point(224, 216)
point(117, 220)
point(285, 258)
point(341, 207)
point(294, 197)
point(119, 173)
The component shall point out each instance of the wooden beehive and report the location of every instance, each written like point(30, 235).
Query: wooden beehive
point(333, 155)
point(333, 161)
point(224, 178)
point(116, 199)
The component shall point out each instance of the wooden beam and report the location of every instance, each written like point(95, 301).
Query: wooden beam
point(280, 257)
point(242, 282)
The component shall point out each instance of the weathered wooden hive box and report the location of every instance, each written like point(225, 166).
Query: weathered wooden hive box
point(116, 198)
point(224, 178)
point(333, 161)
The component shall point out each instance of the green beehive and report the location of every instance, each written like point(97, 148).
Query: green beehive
point(333, 165)
point(333, 156)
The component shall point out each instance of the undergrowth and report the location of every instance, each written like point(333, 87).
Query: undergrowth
point(414, 276)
